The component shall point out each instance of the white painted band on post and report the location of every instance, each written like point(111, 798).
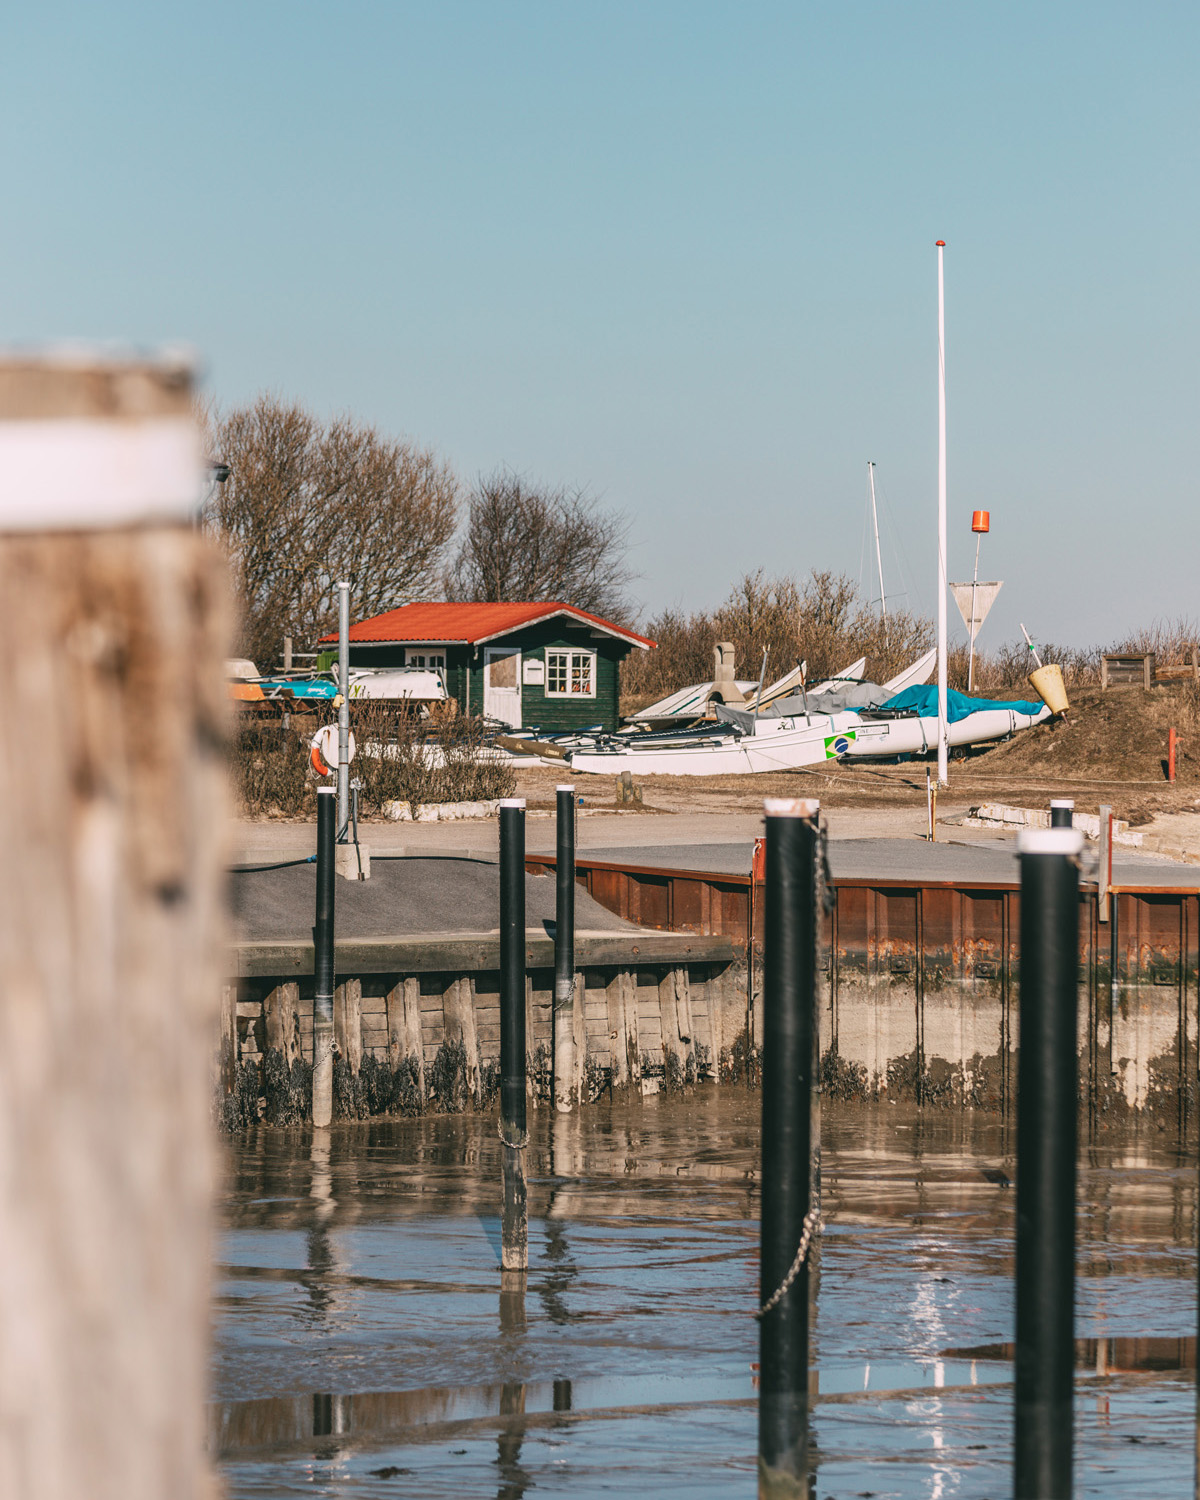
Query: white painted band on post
point(791, 807)
point(565, 787)
point(513, 802)
point(1050, 841)
point(327, 791)
point(83, 472)
point(1063, 802)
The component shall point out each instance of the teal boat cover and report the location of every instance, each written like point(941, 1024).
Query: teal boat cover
point(924, 702)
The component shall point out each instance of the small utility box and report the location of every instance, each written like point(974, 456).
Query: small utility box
point(1132, 669)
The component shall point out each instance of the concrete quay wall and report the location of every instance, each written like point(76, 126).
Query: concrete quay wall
point(920, 1003)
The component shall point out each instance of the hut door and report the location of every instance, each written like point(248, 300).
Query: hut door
point(502, 684)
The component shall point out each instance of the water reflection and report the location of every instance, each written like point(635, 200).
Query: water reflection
point(643, 1244)
point(512, 1302)
point(514, 1480)
point(317, 1280)
point(567, 1167)
point(1115, 1356)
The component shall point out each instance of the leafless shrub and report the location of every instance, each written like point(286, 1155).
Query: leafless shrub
point(1005, 669)
point(823, 621)
point(1171, 640)
point(401, 757)
point(524, 540)
point(404, 758)
point(307, 504)
point(270, 771)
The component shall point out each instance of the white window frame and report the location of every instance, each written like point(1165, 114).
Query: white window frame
point(572, 656)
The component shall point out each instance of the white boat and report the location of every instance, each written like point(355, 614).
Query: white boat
point(688, 703)
point(417, 684)
point(743, 743)
point(723, 749)
point(884, 732)
point(693, 702)
point(915, 676)
point(790, 682)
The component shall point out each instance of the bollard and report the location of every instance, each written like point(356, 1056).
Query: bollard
point(1172, 746)
point(514, 1251)
point(790, 976)
point(564, 951)
point(112, 948)
point(1046, 1130)
point(1062, 812)
point(323, 959)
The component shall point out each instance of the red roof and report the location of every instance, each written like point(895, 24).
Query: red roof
point(473, 623)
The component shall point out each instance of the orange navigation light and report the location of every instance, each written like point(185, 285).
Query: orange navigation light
point(980, 520)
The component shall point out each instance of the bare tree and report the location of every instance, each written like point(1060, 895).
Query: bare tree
point(528, 541)
point(306, 505)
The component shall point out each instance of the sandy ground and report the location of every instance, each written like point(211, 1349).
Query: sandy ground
point(886, 802)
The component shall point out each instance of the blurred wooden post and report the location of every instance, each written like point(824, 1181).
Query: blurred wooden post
point(112, 706)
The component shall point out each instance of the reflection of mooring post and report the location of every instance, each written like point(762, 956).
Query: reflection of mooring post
point(790, 976)
point(1046, 1104)
point(323, 960)
point(514, 1250)
point(564, 951)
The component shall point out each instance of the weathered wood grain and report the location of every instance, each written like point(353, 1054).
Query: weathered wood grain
point(110, 1000)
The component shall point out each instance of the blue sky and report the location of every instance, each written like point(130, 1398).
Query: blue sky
point(682, 254)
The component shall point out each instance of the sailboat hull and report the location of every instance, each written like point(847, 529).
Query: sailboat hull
point(776, 745)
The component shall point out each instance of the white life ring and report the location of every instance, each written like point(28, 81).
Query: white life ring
point(323, 750)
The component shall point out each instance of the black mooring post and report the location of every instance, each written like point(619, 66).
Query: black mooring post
point(514, 1252)
point(1062, 812)
point(790, 976)
point(323, 958)
point(564, 951)
point(1047, 1081)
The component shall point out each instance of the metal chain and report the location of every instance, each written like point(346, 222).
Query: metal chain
point(514, 1145)
point(811, 1219)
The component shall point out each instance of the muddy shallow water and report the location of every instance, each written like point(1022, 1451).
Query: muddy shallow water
point(364, 1345)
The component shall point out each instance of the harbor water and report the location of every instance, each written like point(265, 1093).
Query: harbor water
point(364, 1345)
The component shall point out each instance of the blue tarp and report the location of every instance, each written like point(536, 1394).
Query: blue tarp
point(301, 687)
point(925, 701)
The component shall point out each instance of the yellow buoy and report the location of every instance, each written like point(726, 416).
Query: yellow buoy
point(1047, 682)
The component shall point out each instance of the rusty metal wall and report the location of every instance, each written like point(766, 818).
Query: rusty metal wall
point(921, 1002)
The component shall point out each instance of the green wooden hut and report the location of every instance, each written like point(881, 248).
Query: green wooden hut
point(544, 666)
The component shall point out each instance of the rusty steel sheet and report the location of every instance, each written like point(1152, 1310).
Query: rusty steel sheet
point(923, 979)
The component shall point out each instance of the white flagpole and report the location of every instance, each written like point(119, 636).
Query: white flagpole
point(878, 554)
point(943, 730)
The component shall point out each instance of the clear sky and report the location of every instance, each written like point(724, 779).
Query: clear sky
point(680, 253)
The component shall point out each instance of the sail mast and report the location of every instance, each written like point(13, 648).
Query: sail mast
point(875, 523)
point(943, 729)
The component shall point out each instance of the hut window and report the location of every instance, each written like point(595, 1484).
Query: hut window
point(570, 674)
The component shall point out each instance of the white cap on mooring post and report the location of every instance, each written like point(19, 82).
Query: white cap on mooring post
point(566, 786)
point(791, 807)
point(88, 440)
point(1050, 841)
point(513, 802)
point(1068, 802)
